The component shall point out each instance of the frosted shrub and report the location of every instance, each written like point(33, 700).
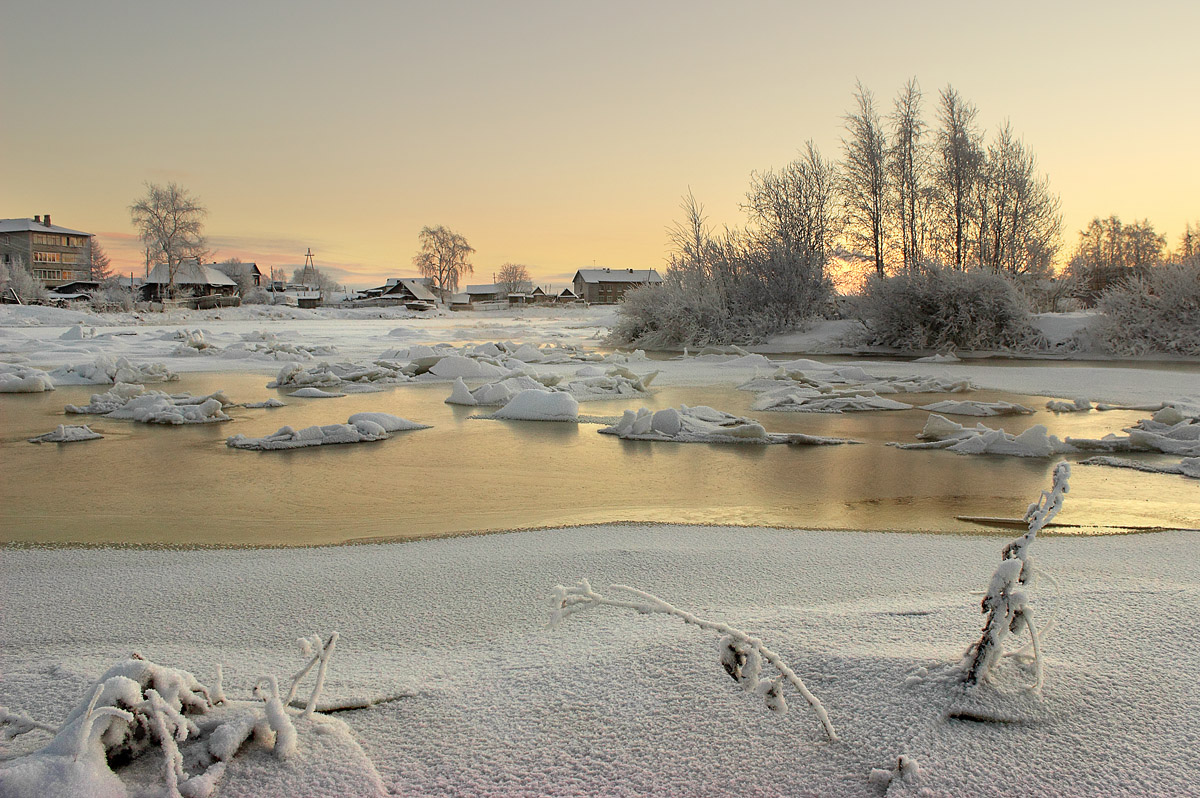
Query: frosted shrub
point(16, 279)
point(1156, 313)
point(1006, 604)
point(136, 706)
point(946, 309)
point(668, 317)
point(742, 656)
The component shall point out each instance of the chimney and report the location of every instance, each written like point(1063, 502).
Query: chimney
point(47, 222)
point(37, 220)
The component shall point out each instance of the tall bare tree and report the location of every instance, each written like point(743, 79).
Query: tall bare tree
point(908, 160)
point(864, 176)
point(960, 155)
point(444, 257)
point(797, 205)
point(171, 223)
point(514, 278)
point(1019, 221)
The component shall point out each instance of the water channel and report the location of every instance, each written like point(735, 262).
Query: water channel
point(154, 485)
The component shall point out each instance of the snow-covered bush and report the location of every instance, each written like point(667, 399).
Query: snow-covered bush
point(16, 279)
point(1006, 604)
point(1156, 313)
point(137, 706)
point(742, 656)
point(944, 308)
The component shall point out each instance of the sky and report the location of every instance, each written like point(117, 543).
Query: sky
point(555, 134)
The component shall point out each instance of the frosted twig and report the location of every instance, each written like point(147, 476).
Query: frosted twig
point(17, 723)
point(1005, 603)
point(320, 652)
point(741, 654)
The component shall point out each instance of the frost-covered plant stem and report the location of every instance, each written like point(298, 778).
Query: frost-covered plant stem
point(319, 653)
point(741, 654)
point(1005, 603)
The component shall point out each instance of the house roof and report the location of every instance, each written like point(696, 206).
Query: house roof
point(226, 268)
point(493, 288)
point(618, 276)
point(30, 226)
point(189, 273)
point(416, 286)
point(537, 291)
point(568, 293)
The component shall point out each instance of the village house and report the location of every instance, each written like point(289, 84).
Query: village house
point(608, 286)
point(52, 254)
point(192, 280)
point(412, 292)
point(248, 272)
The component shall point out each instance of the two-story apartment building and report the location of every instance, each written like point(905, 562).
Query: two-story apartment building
point(53, 254)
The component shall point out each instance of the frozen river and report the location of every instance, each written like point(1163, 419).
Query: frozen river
point(148, 484)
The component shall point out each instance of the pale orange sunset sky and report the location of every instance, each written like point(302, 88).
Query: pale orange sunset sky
point(555, 134)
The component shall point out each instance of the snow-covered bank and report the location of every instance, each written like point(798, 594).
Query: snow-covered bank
point(627, 704)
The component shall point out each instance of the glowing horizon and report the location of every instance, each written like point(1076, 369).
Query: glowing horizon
point(554, 135)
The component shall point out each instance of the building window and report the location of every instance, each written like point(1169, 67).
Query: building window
point(47, 257)
point(47, 274)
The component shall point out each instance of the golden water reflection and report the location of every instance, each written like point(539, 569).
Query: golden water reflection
point(182, 486)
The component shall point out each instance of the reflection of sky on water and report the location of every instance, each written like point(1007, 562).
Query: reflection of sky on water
point(182, 485)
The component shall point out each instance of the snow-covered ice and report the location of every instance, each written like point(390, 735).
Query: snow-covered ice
point(702, 424)
point(67, 433)
point(359, 428)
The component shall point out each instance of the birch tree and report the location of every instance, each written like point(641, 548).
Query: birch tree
point(170, 221)
point(960, 155)
point(908, 160)
point(514, 278)
point(444, 257)
point(864, 177)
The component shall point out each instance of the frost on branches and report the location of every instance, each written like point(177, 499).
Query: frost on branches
point(741, 655)
point(138, 706)
point(1006, 604)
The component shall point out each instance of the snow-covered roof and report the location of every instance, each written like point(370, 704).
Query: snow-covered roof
point(618, 276)
point(189, 274)
point(567, 292)
point(493, 288)
point(419, 288)
point(228, 268)
point(30, 226)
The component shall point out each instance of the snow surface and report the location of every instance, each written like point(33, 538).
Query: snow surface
point(616, 703)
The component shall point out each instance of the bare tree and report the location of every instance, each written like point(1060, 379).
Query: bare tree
point(908, 160)
point(864, 176)
point(171, 223)
point(1110, 251)
point(959, 157)
point(796, 206)
point(312, 277)
point(514, 278)
point(443, 257)
point(1019, 222)
point(99, 265)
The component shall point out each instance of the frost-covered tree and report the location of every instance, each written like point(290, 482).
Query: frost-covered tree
point(171, 223)
point(514, 278)
point(313, 277)
point(444, 257)
point(16, 282)
point(1110, 252)
point(865, 177)
point(908, 173)
point(956, 173)
point(1018, 220)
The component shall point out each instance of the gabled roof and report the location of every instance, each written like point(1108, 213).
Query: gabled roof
point(417, 286)
point(30, 226)
point(189, 273)
point(226, 268)
point(567, 292)
point(485, 289)
point(617, 276)
point(537, 291)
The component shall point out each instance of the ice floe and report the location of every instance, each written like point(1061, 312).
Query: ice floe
point(805, 400)
point(347, 377)
point(1174, 429)
point(67, 433)
point(359, 428)
point(942, 433)
point(315, 393)
point(539, 405)
point(134, 403)
point(1188, 466)
point(702, 424)
point(107, 370)
point(972, 408)
point(23, 379)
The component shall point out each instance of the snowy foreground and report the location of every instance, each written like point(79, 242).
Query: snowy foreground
point(480, 698)
point(446, 679)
